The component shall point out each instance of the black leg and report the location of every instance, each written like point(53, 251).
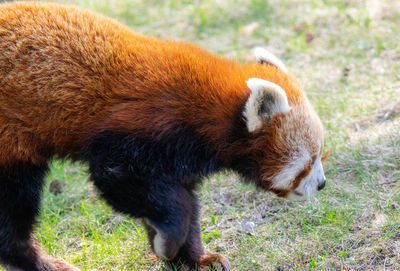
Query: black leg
point(160, 199)
point(20, 192)
point(192, 255)
point(164, 205)
point(192, 250)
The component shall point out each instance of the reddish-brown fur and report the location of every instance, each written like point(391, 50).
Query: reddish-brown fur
point(64, 81)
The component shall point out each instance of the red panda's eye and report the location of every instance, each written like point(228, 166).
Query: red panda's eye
point(281, 193)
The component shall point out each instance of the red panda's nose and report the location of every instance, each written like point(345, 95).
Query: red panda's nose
point(321, 185)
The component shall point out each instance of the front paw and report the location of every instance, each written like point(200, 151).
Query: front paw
point(213, 262)
point(208, 262)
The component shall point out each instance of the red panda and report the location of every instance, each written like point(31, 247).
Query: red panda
point(151, 118)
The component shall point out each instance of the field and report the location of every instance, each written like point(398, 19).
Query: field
point(346, 53)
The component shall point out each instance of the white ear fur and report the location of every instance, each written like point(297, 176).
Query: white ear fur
point(266, 99)
point(263, 55)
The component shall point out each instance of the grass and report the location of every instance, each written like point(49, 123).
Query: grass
point(347, 55)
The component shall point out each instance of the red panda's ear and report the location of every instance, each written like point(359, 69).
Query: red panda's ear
point(266, 99)
point(263, 56)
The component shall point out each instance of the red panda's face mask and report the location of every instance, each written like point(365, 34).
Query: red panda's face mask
point(287, 139)
point(296, 146)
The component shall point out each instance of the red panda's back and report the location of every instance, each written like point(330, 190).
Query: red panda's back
point(66, 72)
point(64, 69)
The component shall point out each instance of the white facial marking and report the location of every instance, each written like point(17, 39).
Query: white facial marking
point(309, 185)
point(298, 162)
point(263, 93)
point(263, 55)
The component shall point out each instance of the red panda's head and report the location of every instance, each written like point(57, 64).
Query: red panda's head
point(286, 136)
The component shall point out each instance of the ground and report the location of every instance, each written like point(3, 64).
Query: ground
point(346, 53)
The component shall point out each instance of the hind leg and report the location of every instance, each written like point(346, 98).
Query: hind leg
point(20, 192)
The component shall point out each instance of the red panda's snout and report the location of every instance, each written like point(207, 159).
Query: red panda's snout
point(310, 184)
